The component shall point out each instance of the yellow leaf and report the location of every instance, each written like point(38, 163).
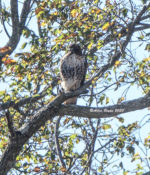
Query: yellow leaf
point(147, 139)
point(107, 100)
point(117, 63)
point(6, 60)
point(107, 25)
point(108, 3)
point(51, 98)
point(42, 128)
point(74, 13)
point(136, 155)
point(56, 13)
point(43, 24)
point(90, 45)
point(2, 119)
point(29, 76)
point(106, 126)
point(95, 10)
point(28, 159)
point(47, 72)
point(46, 161)
point(142, 74)
point(147, 59)
point(119, 35)
point(96, 1)
point(15, 117)
point(121, 99)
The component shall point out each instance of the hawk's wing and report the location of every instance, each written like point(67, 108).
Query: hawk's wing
point(85, 70)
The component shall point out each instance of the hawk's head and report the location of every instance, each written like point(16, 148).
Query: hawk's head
point(75, 48)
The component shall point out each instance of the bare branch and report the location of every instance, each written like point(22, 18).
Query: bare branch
point(5, 29)
point(93, 152)
point(57, 144)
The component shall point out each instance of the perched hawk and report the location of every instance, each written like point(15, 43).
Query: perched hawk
point(72, 71)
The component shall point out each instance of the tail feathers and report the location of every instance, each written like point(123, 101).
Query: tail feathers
point(71, 101)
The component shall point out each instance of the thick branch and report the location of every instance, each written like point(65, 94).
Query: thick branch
point(17, 26)
point(103, 112)
point(10, 123)
point(148, 173)
point(15, 18)
point(24, 14)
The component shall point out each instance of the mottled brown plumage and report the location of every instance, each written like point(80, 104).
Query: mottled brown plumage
point(72, 71)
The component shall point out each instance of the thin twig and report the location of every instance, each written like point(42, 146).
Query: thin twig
point(58, 149)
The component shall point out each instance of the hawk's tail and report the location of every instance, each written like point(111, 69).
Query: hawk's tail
point(71, 101)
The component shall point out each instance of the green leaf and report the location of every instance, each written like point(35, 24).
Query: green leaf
point(121, 119)
point(147, 47)
point(107, 100)
point(124, 12)
point(23, 45)
point(29, 85)
point(106, 126)
point(2, 93)
point(73, 136)
point(90, 45)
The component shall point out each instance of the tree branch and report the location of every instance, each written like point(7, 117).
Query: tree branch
point(104, 112)
point(148, 173)
point(24, 14)
point(55, 108)
point(10, 124)
point(33, 99)
point(5, 29)
point(57, 144)
point(17, 26)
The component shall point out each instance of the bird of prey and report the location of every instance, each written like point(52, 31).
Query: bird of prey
point(73, 67)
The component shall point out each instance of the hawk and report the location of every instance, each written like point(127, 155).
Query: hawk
point(72, 71)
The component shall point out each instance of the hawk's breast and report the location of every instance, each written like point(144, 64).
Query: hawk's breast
point(72, 70)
